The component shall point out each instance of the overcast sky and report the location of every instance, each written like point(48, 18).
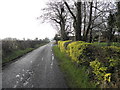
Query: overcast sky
point(18, 19)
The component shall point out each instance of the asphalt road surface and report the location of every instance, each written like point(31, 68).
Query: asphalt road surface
point(37, 69)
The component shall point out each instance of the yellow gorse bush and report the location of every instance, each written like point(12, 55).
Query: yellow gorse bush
point(107, 77)
point(78, 52)
point(100, 71)
point(71, 49)
point(84, 53)
point(61, 45)
point(74, 49)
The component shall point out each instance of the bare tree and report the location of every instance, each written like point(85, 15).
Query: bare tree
point(77, 19)
point(90, 22)
point(56, 13)
point(118, 16)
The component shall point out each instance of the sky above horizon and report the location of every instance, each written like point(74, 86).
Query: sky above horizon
point(18, 20)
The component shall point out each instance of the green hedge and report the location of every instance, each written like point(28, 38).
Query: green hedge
point(103, 62)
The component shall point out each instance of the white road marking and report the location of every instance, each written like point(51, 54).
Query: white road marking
point(45, 68)
point(52, 57)
point(51, 64)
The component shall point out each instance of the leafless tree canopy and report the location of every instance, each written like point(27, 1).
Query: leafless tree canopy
point(83, 20)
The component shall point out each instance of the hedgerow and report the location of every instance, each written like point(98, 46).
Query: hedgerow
point(61, 45)
point(103, 62)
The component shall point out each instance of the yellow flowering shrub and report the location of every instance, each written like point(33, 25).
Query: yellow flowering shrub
point(114, 50)
point(76, 49)
point(100, 71)
point(71, 46)
point(107, 77)
point(101, 61)
point(113, 55)
point(61, 45)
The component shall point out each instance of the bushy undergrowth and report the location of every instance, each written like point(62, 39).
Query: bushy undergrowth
point(13, 48)
point(106, 44)
point(103, 62)
point(15, 54)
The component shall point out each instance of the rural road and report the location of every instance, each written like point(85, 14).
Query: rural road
point(37, 69)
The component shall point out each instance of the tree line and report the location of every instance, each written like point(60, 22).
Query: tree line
point(84, 21)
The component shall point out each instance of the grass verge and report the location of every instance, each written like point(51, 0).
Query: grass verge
point(75, 77)
point(17, 54)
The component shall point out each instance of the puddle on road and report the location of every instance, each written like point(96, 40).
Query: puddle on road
point(23, 70)
point(14, 86)
point(17, 82)
point(32, 86)
point(21, 78)
point(23, 75)
point(17, 76)
point(42, 59)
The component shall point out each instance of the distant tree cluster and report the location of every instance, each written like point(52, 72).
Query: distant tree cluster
point(10, 45)
point(86, 21)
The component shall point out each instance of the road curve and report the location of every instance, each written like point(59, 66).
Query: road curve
point(37, 69)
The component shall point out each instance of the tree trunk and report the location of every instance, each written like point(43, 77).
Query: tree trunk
point(78, 23)
point(90, 21)
point(84, 29)
point(118, 6)
point(90, 40)
point(77, 20)
point(63, 33)
point(110, 26)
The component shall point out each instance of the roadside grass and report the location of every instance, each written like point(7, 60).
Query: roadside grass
point(75, 77)
point(18, 53)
